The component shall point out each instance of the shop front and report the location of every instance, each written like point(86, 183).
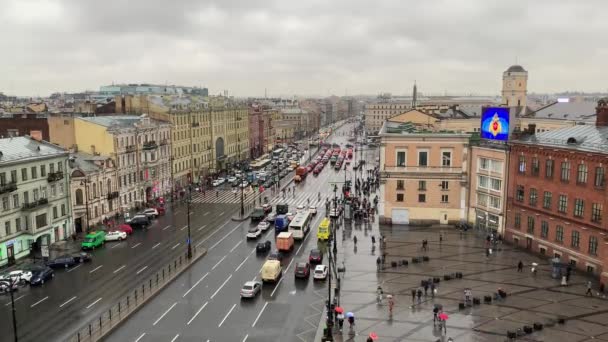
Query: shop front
point(487, 222)
point(14, 249)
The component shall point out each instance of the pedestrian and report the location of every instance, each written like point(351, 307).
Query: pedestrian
point(568, 270)
point(351, 322)
point(373, 239)
point(413, 295)
point(355, 239)
point(440, 238)
point(369, 339)
point(564, 281)
point(433, 289)
point(217, 194)
point(419, 294)
point(435, 313)
point(378, 263)
point(589, 289)
point(340, 321)
point(426, 288)
point(520, 266)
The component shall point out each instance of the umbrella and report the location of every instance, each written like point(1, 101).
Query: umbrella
point(373, 336)
point(443, 316)
point(339, 309)
point(534, 264)
point(350, 314)
point(389, 296)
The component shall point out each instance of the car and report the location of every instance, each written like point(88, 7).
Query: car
point(20, 276)
point(82, 257)
point(316, 171)
point(151, 212)
point(275, 255)
point(290, 216)
point(254, 233)
point(41, 274)
point(263, 247)
point(271, 217)
point(315, 256)
point(5, 288)
point(139, 221)
point(116, 235)
point(312, 209)
point(244, 184)
point(267, 208)
point(64, 261)
point(161, 210)
point(263, 225)
point(320, 272)
point(299, 208)
point(257, 215)
point(302, 270)
point(93, 240)
point(251, 289)
point(235, 183)
point(231, 179)
point(217, 182)
point(126, 228)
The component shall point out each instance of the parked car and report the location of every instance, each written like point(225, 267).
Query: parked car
point(257, 215)
point(5, 288)
point(315, 256)
point(263, 247)
point(116, 235)
point(64, 261)
point(151, 212)
point(254, 233)
point(231, 179)
point(140, 221)
point(93, 240)
point(161, 211)
point(263, 225)
point(126, 228)
point(41, 275)
point(82, 257)
point(20, 276)
point(251, 289)
point(302, 270)
point(267, 208)
point(320, 272)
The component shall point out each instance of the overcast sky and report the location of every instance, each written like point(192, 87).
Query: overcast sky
point(312, 47)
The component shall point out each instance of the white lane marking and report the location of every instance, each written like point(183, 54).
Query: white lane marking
point(167, 227)
point(207, 213)
point(202, 227)
point(184, 227)
point(288, 266)
point(217, 230)
point(218, 290)
point(119, 269)
point(242, 263)
point(137, 245)
point(174, 247)
point(166, 312)
point(196, 314)
point(245, 339)
point(233, 248)
point(141, 270)
point(16, 299)
point(40, 301)
point(228, 314)
point(175, 338)
point(73, 268)
point(158, 244)
point(68, 301)
point(116, 245)
point(222, 213)
point(225, 236)
point(302, 245)
point(193, 286)
point(260, 314)
point(219, 262)
point(96, 268)
point(276, 287)
point(95, 302)
point(140, 337)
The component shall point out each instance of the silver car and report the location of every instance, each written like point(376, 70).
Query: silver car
point(251, 289)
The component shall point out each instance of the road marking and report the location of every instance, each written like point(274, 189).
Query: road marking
point(207, 238)
point(276, 287)
point(260, 314)
point(167, 227)
point(40, 301)
point(196, 314)
point(116, 245)
point(16, 299)
point(242, 263)
point(175, 338)
point(140, 337)
point(158, 244)
point(96, 268)
point(207, 213)
point(193, 286)
point(136, 245)
point(68, 301)
point(73, 268)
point(166, 312)
point(302, 245)
point(222, 259)
point(120, 268)
point(225, 236)
point(184, 227)
point(138, 272)
point(233, 248)
point(228, 314)
point(245, 339)
point(288, 266)
point(218, 290)
point(202, 227)
point(222, 213)
point(95, 302)
point(174, 247)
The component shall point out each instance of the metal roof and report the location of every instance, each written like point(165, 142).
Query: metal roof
point(26, 149)
point(580, 137)
point(578, 111)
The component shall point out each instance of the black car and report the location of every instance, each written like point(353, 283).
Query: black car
point(263, 247)
point(275, 255)
point(302, 270)
point(316, 256)
point(64, 261)
point(41, 274)
point(82, 257)
point(140, 221)
point(257, 215)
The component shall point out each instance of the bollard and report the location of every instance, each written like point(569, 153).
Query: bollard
point(180, 260)
point(90, 330)
point(127, 301)
point(143, 290)
point(150, 283)
point(135, 296)
point(156, 278)
point(119, 306)
point(163, 274)
point(169, 269)
point(110, 314)
point(99, 322)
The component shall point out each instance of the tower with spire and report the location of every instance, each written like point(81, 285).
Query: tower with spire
point(414, 96)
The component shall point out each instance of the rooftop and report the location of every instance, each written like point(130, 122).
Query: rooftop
point(118, 121)
point(408, 128)
point(85, 162)
point(516, 68)
point(588, 138)
point(26, 149)
point(579, 111)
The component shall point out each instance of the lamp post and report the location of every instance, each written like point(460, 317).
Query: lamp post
point(10, 283)
point(189, 242)
point(241, 180)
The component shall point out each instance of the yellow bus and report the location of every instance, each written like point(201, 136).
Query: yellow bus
point(323, 231)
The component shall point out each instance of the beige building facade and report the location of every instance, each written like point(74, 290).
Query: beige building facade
point(378, 112)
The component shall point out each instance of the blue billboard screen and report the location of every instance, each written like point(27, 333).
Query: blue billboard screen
point(495, 123)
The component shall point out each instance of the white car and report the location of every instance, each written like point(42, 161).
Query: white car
point(299, 208)
point(151, 212)
point(216, 182)
point(320, 272)
point(254, 233)
point(116, 236)
point(231, 179)
point(263, 225)
point(312, 209)
point(244, 184)
point(20, 276)
point(251, 289)
point(271, 217)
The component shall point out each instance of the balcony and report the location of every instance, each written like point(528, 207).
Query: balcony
point(34, 205)
point(150, 145)
point(54, 176)
point(112, 195)
point(8, 187)
point(130, 148)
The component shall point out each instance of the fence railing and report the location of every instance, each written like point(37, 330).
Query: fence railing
point(100, 326)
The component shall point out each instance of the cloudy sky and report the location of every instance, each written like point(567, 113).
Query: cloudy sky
point(312, 47)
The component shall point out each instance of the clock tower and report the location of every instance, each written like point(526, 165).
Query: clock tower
point(514, 86)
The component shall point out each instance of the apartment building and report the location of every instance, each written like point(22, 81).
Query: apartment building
point(378, 112)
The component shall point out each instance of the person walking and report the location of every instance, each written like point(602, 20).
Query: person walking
point(419, 295)
point(355, 240)
point(589, 293)
point(520, 266)
point(426, 288)
point(378, 263)
point(391, 304)
point(435, 313)
point(433, 289)
point(340, 320)
point(413, 296)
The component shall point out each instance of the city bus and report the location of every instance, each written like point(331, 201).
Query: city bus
point(300, 225)
point(323, 231)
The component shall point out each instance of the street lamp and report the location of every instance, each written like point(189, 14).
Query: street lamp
point(10, 283)
point(241, 180)
point(189, 242)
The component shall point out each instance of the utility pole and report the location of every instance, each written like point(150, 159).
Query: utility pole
point(10, 282)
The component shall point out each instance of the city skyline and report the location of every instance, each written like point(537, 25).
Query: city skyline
point(307, 49)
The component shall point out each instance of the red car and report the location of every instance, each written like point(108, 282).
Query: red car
point(316, 171)
point(161, 210)
point(302, 270)
point(126, 228)
point(316, 256)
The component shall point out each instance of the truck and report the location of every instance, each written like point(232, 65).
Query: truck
point(271, 271)
point(258, 214)
point(301, 173)
point(285, 242)
point(282, 208)
point(281, 223)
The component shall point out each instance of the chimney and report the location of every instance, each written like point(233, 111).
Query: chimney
point(531, 129)
point(601, 111)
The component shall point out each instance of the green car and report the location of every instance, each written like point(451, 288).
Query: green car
point(93, 240)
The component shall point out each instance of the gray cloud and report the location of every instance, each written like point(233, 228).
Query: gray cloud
point(307, 47)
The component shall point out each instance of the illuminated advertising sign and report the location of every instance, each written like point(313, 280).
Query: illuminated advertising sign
point(495, 124)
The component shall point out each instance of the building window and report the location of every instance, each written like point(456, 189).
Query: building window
point(5, 205)
point(547, 200)
point(7, 227)
point(533, 196)
point(495, 202)
point(522, 164)
point(495, 184)
point(531, 224)
point(16, 201)
point(482, 199)
point(517, 221)
point(445, 185)
point(53, 190)
point(399, 197)
point(482, 182)
point(565, 174)
point(562, 205)
point(79, 197)
point(36, 194)
point(62, 209)
point(535, 166)
point(520, 193)
point(23, 174)
point(400, 184)
point(400, 158)
point(590, 269)
point(18, 224)
point(544, 229)
point(14, 176)
point(34, 172)
point(599, 177)
point(421, 198)
point(446, 158)
point(549, 168)
point(42, 170)
point(576, 239)
point(41, 221)
point(54, 212)
point(444, 198)
point(484, 164)
point(581, 174)
point(422, 185)
point(596, 212)
point(579, 207)
point(592, 245)
point(559, 234)
point(423, 158)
